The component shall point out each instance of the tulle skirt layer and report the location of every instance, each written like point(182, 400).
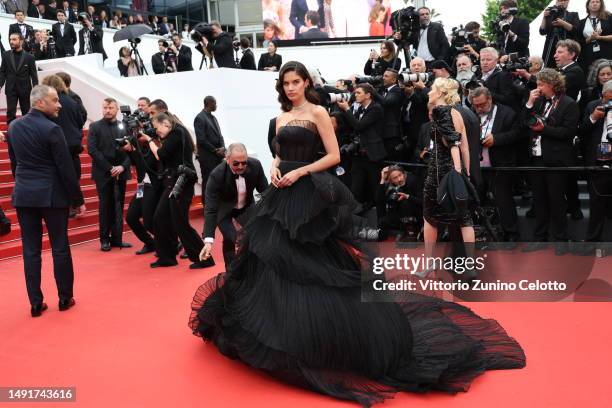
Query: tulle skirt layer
point(290, 304)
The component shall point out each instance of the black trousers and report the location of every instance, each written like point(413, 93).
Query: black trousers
point(549, 189)
point(171, 221)
point(144, 208)
point(365, 176)
point(75, 151)
point(228, 231)
point(111, 194)
point(600, 205)
point(208, 161)
point(56, 220)
point(501, 185)
point(23, 98)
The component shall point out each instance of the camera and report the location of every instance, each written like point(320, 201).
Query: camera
point(535, 119)
point(337, 97)
point(236, 45)
point(555, 12)
point(406, 22)
point(375, 81)
point(133, 124)
point(501, 25)
point(460, 38)
point(202, 30)
point(408, 78)
point(351, 148)
point(186, 175)
point(82, 16)
point(393, 194)
point(514, 63)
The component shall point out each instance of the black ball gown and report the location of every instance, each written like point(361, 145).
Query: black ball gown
point(290, 303)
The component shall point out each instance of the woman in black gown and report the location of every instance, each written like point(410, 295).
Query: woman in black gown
point(290, 303)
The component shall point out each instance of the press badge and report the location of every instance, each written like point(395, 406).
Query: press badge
point(139, 190)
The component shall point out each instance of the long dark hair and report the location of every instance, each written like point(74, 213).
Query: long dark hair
point(603, 13)
point(299, 68)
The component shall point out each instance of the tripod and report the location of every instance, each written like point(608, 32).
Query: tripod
point(139, 63)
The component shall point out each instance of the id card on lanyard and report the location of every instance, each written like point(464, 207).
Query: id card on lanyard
point(594, 24)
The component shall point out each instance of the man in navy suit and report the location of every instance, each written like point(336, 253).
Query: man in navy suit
point(45, 188)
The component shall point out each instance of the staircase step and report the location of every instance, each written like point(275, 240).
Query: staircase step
point(5, 165)
point(78, 234)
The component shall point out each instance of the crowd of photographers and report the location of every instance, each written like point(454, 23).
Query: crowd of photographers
point(550, 112)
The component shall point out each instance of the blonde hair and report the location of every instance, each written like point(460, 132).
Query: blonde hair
point(449, 88)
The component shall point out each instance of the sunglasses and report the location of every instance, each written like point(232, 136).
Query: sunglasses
point(239, 163)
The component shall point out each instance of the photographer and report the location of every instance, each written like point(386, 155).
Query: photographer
point(598, 76)
point(557, 24)
point(164, 60)
point(465, 75)
point(499, 134)
point(432, 43)
point(391, 97)
point(565, 57)
point(474, 42)
point(398, 203)
point(596, 131)
point(512, 32)
point(498, 81)
point(183, 53)
point(247, 61)
point(595, 34)
point(553, 119)
point(171, 218)
point(367, 123)
point(126, 64)
point(220, 47)
point(65, 36)
point(40, 48)
point(110, 170)
point(90, 37)
point(377, 64)
point(414, 111)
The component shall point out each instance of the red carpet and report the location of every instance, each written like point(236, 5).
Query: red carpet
point(127, 344)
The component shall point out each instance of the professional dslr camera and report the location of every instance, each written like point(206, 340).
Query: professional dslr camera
point(406, 22)
point(133, 124)
point(351, 148)
point(186, 175)
point(407, 78)
point(202, 30)
point(375, 81)
point(460, 38)
point(555, 13)
point(236, 45)
point(338, 97)
point(502, 25)
point(534, 119)
point(514, 63)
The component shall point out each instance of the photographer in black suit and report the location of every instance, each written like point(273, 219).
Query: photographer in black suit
point(391, 98)
point(598, 152)
point(499, 134)
point(183, 54)
point(90, 37)
point(110, 170)
point(553, 119)
point(368, 124)
point(45, 187)
point(26, 30)
point(432, 43)
point(498, 81)
point(516, 38)
point(558, 24)
point(221, 47)
point(65, 36)
point(210, 143)
point(174, 150)
point(414, 111)
point(229, 193)
point(247, 61)
point(18, 73)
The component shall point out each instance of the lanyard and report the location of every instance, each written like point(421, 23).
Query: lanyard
point(488, 123)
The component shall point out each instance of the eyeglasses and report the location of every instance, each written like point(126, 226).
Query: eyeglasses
point(239, 163)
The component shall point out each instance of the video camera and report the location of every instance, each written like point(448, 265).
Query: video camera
point(407, 78)
point(406, 22)
point(202, 30)
point(460, 38)
point(133, 124)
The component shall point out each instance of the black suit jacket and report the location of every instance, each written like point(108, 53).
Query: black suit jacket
point(590, 133)
point(520, 27)
point(559, 131)
point(437, 42)
point(71, 119)
point(95, 37)
point(265, 61)
point(64, 45)
point(575, 80)
point(158, 63)
point(222, 50)
point(370, 130)
point(104, 153)
point(314, 33)
point(472, 132)
point(299, 8)
point(20, 78)
point(550, 45)
point(587, 56)
point(392, 103)
point(248, 60)
point(208, 132)
point(183, 60)
point(506, 133)
point(221, 194)
point(499, 83)
point(29, 37)
point(41, 164)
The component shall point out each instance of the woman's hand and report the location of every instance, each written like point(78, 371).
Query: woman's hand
point(275, 176)
point(290, 178)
